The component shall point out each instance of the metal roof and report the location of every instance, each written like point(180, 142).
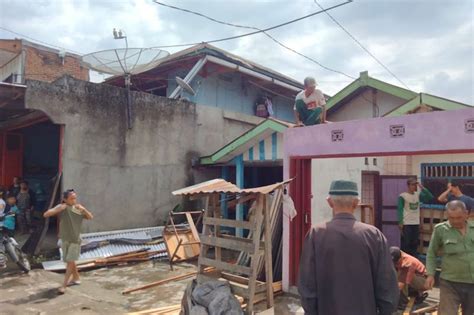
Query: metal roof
point(221, 186)
point(141, 234)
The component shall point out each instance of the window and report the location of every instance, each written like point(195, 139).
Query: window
point(435, 177)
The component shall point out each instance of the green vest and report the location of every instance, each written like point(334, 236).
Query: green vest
point(70, 223)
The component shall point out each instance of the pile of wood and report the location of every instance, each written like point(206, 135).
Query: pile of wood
point(121, 259)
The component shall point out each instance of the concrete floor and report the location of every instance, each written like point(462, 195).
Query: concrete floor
point(100, 291)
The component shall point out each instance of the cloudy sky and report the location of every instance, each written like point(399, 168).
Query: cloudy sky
point(428, 44)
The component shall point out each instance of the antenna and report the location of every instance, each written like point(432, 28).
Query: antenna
point(125, 62)
point(185, 86)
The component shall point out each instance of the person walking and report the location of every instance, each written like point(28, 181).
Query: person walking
point(455, 240)
point(409, 215)
point(71, 215)
point(345, 266)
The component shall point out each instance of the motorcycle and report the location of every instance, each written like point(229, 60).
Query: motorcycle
point(10, 247)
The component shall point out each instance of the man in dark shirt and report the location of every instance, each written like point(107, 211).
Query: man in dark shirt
point(454, 193)
point(345, 266)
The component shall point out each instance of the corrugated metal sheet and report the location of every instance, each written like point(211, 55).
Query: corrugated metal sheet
point(145, 234)
point(221, 186)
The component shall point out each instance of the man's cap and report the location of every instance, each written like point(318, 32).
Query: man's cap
point(343, 188)
point(309, 81)
point(396, 253)
point(412, 180)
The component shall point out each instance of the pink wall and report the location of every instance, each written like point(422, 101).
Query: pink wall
point(427, 132)
point(435, 132)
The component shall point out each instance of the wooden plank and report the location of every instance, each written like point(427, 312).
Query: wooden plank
point(217, 227)
point(206, 230)
point(258, 218)
point(189, 217)
point(268, 243)
point(410, 304)
point(428, 309)
point(233, 244)
point(230, 223)
point(221, 265)
point(241, 239)
point(240, 200)
point(239, 279)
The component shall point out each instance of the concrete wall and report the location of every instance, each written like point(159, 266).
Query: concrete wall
point(324, 171)
point(361, 106)
point(231, 91)
point(126, 176)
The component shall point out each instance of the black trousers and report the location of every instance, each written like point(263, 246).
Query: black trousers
point(410, 239)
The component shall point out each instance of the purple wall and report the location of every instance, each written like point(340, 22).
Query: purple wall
point(437, 132)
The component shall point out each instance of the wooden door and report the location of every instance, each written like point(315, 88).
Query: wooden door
point(11, 157)
point(300, 192)
point(390, 189)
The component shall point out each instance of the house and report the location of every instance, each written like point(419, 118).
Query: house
point(423, 139)
point(242, 160)
point(21, 60)
point(219, 79)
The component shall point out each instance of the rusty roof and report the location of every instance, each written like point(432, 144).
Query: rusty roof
point(221, 186)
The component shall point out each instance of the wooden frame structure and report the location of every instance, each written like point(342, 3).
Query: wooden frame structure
point(242, 278)
point(182, 243)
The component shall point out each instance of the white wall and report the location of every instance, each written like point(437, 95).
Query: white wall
point(324, 171)
point(361, 106)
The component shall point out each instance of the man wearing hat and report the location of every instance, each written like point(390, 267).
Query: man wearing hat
point(409, 215)
point(345, 266)
point(310, 105)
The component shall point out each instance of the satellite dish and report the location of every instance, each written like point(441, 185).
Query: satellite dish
point(125, 62)
point(185, 86)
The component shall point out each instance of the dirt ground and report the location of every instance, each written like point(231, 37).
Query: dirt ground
point(100, 291)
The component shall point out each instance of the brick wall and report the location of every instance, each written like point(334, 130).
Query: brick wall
point(11, 45)
point(48, 66)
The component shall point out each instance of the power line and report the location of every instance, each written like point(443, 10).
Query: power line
point(38, 41)
point(264, 31)
point(360, 44)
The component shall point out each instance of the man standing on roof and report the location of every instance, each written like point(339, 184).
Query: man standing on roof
point(70, 215)
point(409, 215)
point(310, 105)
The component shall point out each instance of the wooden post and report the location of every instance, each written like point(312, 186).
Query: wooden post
point(268, 243)
point(258, 218)
point(206, 231)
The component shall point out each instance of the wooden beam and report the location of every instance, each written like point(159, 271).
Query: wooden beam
point(221, 265)
point(232, 244)
point(228, 222)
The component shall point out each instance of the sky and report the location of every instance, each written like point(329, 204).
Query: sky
point(427, 44)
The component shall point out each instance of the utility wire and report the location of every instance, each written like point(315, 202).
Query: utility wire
point(37, 40)
point(264, 31)
point(360, 44)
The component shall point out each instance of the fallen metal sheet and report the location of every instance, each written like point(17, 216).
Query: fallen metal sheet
point(145, 234)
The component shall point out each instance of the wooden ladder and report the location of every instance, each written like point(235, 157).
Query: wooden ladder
point(247, 285)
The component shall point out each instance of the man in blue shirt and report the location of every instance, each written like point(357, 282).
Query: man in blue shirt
point(454, 193)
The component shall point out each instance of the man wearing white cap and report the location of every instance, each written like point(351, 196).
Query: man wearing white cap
point(310, 105)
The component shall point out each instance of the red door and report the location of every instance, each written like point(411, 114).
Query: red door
point(11, 157)
point(390, 189)
point(300, 191)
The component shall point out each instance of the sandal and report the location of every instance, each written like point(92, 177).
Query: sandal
point(74, 282)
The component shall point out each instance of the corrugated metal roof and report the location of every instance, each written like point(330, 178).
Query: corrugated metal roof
point(221, 186)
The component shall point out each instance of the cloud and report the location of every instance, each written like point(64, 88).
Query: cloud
point(428, 44)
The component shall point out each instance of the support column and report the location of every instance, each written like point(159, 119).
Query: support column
point(225, 176)
point(239, 180)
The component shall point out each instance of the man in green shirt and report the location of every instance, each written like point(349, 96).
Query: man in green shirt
point(455, 239)
point(409, 215)
point(70, 215)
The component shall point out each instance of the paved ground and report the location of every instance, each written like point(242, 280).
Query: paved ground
point(100, 291)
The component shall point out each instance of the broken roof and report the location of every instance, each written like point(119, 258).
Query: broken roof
point(205, 49)
point(221, 186)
